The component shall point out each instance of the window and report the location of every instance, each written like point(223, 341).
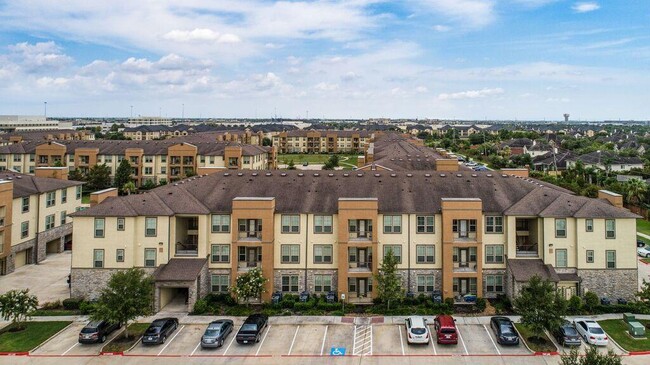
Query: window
point(392, 224)
point(425, 283)
point(290, 254)
point(611, 259)
point(220, 283)
point(494, 283)
point(149, 257)
point(119, 255)
point(17, 158)
point(560, 227)
point(220, 253)
point(148, 159)
point(163, 170)
point(108, 159)
point(561, 258)
point(290, 223)
point(98, 259)
point(352, 285)
point(289, 283)
point(26, 204)
point(220, 223)
point(163, 158)
point(64, 215)
point(150, 224)
point(589, 225)
point(322, 254)
point(50, 199)
point(121, 224)
point(425, 254)
point(590, 256)
point(148, 170)
point(494, 224)
point(463, 226)
point(322, 224)
point(493, 254)
point(610, 228)
point(64, 196)
point(24, 229)
point(78, 193)
point(425, 224)
point(99, 227)
point(49, 221)
point(397, 252)
point(322, 283)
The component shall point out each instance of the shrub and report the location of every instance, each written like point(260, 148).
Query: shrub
point(214, 299)
point(51, 305)
point(72, 303)
point(337, 313)
point(238, 311)
point(201, 306)
point(449, 302)
point(591, 301)
point(481, 304)
point(575, 305)
point(328, 306)
point(423, 298)
point(87, 307)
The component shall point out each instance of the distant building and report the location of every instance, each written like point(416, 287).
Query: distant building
point(304, 141)
point(136, 122)
point(11, 123)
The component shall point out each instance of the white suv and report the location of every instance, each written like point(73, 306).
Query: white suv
point(416, 330)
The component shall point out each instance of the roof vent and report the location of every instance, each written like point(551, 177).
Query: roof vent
point(240, 174)
point(283, 174)
point(176, 184)
point(393, 175)
point(377, 175)
point(254, 174)
point(442, 175)
point(301, 174)
point(427, 175)
point(182, 182)
point(504, 175)
point(225, 174)
point(488, 175)
point(316, 174)
point(359, 175)
point(330, 175)
point(409, 175)
point(474, 175)
point(268, 174)
point(459, 175)
point(346, 175)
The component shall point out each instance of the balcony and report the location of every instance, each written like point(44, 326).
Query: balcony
point(187, 249)
point(360, 266)
point(244, 266)
point(175, 161)
point(526, 249)
point(468, 266)
point(250, 235)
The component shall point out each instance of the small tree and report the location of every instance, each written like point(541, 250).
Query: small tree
point(129, 188)
point(291, 165)
point(249, 285)
point(99, 177)
point(122, 174)
point(17, 306)
point(76, 175)
point(644, 293)
point(389, 287)
point(127, 295)
point(540, 306)
point(592, 357)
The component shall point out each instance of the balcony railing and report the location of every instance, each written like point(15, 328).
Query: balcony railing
point(360, 266)
point(254, 235)
point(469, 266)
point(244, 266)
point(356, 236)
point(187, 249)
point(527, 250)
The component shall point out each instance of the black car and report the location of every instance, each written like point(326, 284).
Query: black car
point(159, 330)
point(504, 330)
point(251, 330)
point(97, 331)
point(216, 333)
point(566, 335)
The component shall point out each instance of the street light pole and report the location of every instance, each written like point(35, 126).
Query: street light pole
point(45, 105)
point(131, 111)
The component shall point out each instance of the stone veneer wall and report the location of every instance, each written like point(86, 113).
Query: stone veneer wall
point(277, 279)
point(88, 283)
point(413, 286)
point(610, 283)
point(485, 294)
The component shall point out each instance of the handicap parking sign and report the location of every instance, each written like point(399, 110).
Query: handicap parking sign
point(337, 351)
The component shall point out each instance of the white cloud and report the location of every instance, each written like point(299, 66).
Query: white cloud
point(421, 89)
point(558, 100)
point(38, 57)
point(326, 86)
point(585, 7)
point(475, 13)
point(471, 94)
point(200, 35)
point(441, 28)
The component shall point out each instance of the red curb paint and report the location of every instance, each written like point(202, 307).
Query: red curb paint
point(552, 353)
point(633, 353)
point(22, 353)
point(120, 353)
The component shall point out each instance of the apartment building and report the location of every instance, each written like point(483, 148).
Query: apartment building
point(312, 141)
point(168, 160)
point(34, 217)
point(459, 232)
point(154, 132)
point(49, 135)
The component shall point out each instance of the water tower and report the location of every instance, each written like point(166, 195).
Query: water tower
point(566, 117)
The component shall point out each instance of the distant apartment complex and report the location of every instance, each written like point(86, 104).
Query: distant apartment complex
point(306, 141)
point(34, 217)
point(11, 123)
point(148, 133)
point(49, 135)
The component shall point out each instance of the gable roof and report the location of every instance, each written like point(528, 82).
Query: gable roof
point(26, 185)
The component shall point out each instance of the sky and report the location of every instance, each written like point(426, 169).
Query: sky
point(333, 59)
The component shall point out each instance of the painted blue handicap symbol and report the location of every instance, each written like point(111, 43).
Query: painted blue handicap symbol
point(337, 351)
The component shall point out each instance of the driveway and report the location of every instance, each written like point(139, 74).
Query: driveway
point(47, 280)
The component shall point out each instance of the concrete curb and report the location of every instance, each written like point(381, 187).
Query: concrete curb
point(50, 338)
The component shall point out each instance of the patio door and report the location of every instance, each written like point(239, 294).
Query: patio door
point(251, 256)
point(361, 288)
point(362, 228)
point(463, 286)
point(361, 254)
point(462, 231)
point(463, 257)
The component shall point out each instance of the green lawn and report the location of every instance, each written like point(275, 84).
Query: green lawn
point(537, 345)
point(85, 199)
point(643, 226)
point(344, 160)
point(121, 344)
point(33, 335)
point(617, 330)
point(54, 312)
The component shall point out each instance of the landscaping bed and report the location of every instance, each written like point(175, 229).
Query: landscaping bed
point(34, 334)
point(120, 343)
point(543, 344)
point(617, 330)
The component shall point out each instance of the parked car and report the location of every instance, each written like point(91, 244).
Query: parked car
point(480, 168)
point(251, 330)
point(416, 330)
point(216, 333)
point(445, 327)
point(591, 332)
point(504, 331)
point(97, 331)
point(640, 243)
point(159, 330)
point(566, 335)
point(643, 251)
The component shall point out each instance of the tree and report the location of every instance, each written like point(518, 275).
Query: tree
point(541, 307)
point(148, 185)
point(635, 191)
point(17, 306)
point(127, 295)
point(266, 141)
point(644, 293)
point(249, 285)
point(76, 175)
point(389, 286)
point(129, 188)
point(99, 177)
point(291, 165)
point(122, 174)
point(592, 357)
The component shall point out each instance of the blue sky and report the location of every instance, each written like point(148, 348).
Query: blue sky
point(462, 59)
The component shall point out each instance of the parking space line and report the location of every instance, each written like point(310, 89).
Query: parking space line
point(231, 341)
point(401, 340)
point(462, 341)
point(196, 348)
point(490, 336)
point(71, 347)
point(294, 340)
point(171, 340)
point(322, 347)
point(432, 342)
point(268, 329)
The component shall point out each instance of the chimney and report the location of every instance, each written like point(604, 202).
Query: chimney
point(101, 195)
point(614, 198)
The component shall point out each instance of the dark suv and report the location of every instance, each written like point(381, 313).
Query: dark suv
point(159, 330)
point(504, 330)
point(97, 331)
point(251, 330)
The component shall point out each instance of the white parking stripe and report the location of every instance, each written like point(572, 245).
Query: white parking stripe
point(172, 339)
point(401, 339)
point(231, 341)
point(322, 347)
point(462, 341)
point(490, 336)
point(68, 350)
point(433, 345)
point(196, 348)
point(294, 340)
point(268, 329)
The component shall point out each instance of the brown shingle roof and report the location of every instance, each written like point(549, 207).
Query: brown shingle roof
point(180, 270)
point(524, 269)
point(26, 185)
